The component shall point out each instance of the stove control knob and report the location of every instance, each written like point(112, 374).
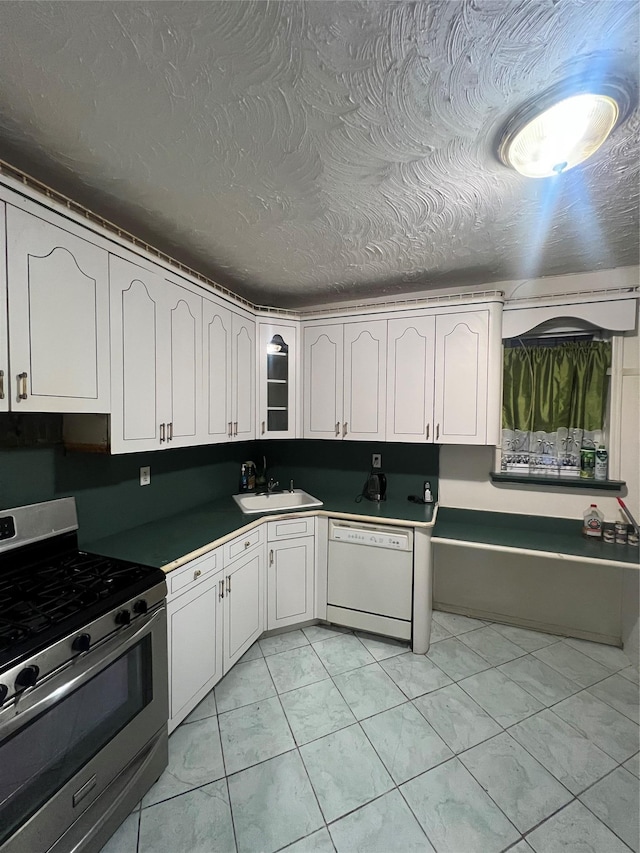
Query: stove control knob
point(81, 643)
point(3, 692)
point(140, 607)
point(123, 617)
point(27, 677)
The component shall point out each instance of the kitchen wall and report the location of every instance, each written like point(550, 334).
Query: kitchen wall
point(35, 467)
point(464, 482)
point(344, 465)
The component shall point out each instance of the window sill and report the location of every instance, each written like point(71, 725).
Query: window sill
point(558, 482)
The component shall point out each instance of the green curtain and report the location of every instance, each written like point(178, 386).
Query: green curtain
point(547, 387)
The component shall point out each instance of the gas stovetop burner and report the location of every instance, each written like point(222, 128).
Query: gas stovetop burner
point(49, 587)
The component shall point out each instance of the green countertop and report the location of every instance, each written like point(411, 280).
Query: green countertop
point(163, 542)
point(534, 533)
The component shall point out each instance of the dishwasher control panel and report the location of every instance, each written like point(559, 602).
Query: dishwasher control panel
point(372, 538)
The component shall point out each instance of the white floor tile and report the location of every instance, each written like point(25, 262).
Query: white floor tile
point(565, 753)
point(575, 666)
point(456, 813)
point(620, 693)
point(615, 800)
point(345, 771)
point(459, 721)
point(610, 730)
point(405, 742)
point(273, 804)
point(197, 822)
point(523, 789)
point(385, 824)
point(575, 830)
point(500, 697)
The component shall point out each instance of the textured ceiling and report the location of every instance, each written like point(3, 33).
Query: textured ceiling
point(300, 152)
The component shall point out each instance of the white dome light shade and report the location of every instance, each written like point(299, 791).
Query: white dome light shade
point(560, 137)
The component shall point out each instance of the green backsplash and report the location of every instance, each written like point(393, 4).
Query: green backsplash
point(110, 499)
point(346, 464)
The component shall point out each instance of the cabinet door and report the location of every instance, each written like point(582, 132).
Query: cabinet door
point(216, 347)
point(243, 605)
point(194, 630)
point(4, 329)
point(58, 293)
point(140, 391)
point(277, 356)
point(243, 371)
point(410, 372)
point(290, 582)
point(323, 381)
point(461, 377)
point(365, 380)
point(184, 351)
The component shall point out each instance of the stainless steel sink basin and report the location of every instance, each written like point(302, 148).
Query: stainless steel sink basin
point(276, 501)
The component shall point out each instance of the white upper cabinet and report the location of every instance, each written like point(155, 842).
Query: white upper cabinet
point(410, 376)
point(365, 380)
point(4, 342)
point(217, 333)
point(323, 381)
point(58, 295)
point(277, 372)
point(461, 377)
point(229, 373)
point(444, 377)
point(345, 380)
point(243, 377)
point(157, 356)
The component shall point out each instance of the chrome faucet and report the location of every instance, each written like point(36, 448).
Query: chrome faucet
point(272, 485)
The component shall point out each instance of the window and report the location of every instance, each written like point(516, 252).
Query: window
point(555, 401)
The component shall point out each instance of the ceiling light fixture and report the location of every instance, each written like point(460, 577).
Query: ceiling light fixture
point(561, 129)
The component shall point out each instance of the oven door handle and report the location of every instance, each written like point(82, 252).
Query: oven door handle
point(30, 703)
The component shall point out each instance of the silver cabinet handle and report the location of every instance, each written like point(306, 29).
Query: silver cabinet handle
point(437, 432)
point(337, 428)
point(170, 431)
point(220, 590)
point(22, 384)
point(271, 557)
point(344, 429)
point(228, 584)
point(235, 428)
point(230, 429)
point(197, 573)
point(1, 384)
point(161, 433)
point(247, 543)
point(427, 432)
point(262, 427)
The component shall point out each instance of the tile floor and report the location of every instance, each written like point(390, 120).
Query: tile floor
point(326, 740)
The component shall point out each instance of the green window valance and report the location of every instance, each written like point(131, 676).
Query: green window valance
point(550, 387)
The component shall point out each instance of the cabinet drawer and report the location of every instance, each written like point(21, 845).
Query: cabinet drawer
point(290, 528)
point(194, 572)
point(243, 544)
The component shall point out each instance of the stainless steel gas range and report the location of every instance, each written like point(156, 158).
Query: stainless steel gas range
point(83, 684)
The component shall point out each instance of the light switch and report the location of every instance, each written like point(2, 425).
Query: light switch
point(145, 475)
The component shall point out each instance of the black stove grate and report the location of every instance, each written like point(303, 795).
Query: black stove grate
point(58, 591)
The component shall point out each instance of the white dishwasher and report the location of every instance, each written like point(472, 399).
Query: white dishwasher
point(370, 577)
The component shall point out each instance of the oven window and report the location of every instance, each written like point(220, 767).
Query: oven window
point(38, 759)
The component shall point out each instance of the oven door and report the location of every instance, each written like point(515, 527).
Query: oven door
point(63, 743)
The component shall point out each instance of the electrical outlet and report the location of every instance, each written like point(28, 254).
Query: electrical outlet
point(145, 475)
point(376, 460)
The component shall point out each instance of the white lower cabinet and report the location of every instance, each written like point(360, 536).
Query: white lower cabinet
point(243, 603)
point(194, 633)
point(290, 582)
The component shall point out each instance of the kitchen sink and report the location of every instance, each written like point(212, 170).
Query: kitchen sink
point(276, 501)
